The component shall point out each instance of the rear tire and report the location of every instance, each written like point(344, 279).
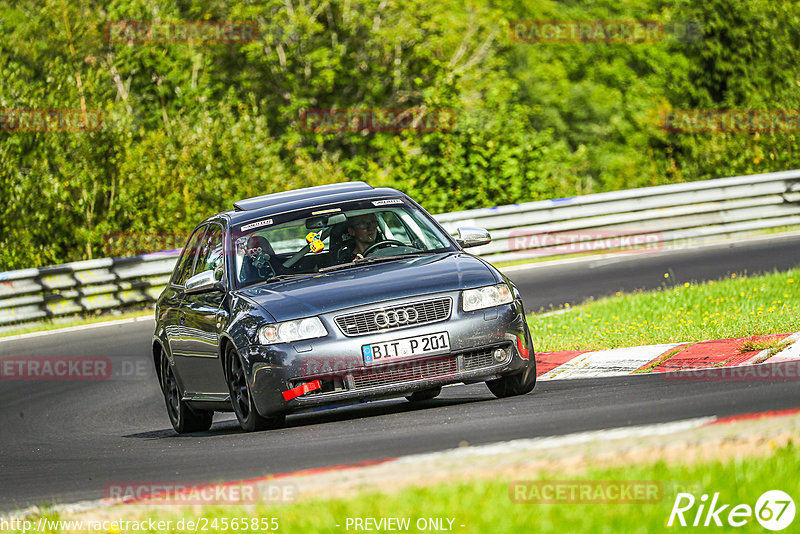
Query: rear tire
point(183, 418)
point(242, 398)
point(425, 394)
point(512, 385)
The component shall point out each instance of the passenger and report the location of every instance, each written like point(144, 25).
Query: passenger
point(256, 265)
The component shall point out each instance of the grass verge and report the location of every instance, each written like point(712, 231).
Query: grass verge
point(488, 505)
point(738, 306)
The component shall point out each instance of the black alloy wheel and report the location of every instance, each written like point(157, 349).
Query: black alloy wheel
point(183, 418)
point(242, 398)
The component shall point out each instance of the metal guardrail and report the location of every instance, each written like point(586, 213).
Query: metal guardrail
point(84, 286)
point(647, 218)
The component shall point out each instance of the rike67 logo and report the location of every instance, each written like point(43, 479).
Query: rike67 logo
point(774, 510)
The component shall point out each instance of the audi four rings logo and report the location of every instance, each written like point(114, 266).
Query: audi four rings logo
point(396, 317)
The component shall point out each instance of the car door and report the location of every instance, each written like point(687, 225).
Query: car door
point(171, 301)
point(199, 362)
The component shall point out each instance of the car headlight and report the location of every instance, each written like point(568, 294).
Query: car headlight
point(486, 297)
point(289, 331)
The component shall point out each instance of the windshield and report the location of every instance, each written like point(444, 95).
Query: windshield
point(308, 241)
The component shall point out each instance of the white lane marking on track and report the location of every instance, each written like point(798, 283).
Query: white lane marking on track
point(756, 359)
point(553, 442)
point(613, 362)
point(77, 328)
point(790, 353)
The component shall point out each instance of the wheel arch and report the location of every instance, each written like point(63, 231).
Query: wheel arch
point(225, 341)
point(156, 349)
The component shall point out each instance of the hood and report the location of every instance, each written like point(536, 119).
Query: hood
point(336, 290)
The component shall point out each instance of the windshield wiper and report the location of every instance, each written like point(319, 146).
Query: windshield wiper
point(368, 261)
point(279, 277)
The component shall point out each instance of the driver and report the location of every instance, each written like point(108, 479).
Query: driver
point(364, 230)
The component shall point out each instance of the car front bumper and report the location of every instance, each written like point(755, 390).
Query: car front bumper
point(337, 361)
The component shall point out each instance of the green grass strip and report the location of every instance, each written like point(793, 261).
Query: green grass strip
point(487, 505)
point(738, 306)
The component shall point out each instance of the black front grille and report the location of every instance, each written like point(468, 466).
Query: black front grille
point(405, 372)
point(424, 312)
point(478, 359)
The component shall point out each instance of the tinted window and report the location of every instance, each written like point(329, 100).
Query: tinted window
point(305, 241)
point(210, 255)
point(184, 268)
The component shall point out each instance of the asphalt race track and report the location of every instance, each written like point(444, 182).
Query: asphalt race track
point(64, 441)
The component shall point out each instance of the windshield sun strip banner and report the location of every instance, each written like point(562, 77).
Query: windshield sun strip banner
point(257, 224)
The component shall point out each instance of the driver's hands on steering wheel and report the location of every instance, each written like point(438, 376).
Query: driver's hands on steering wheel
point(383, 243)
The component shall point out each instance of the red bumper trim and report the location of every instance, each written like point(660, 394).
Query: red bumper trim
point(302, 389)
point(523, 352)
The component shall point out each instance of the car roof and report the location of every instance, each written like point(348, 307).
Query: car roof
point(309, 197)
point(276, 199)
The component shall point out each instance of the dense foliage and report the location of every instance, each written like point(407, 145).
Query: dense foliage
point(190, 127)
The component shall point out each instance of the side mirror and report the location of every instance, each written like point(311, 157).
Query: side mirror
point(473, 237)
point(203, 283)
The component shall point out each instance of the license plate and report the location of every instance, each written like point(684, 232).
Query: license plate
point(410, 347)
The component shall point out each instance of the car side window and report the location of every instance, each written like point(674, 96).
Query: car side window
point(184, 268)
point(210, 256)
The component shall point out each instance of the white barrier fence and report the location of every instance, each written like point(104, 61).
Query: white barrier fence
point(650, 217)
point(637, 219)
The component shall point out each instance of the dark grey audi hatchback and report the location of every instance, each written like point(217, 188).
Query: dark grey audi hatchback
point(331, 295)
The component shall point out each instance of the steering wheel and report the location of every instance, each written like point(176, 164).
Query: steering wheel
point(384, 243)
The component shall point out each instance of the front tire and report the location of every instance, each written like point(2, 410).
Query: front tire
point(242, 398)
point(183, 418)
point(512, 385)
